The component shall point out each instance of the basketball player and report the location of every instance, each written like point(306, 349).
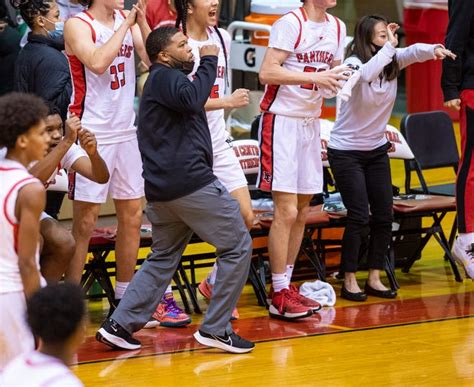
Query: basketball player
point(56, 315)
point(100, 45)
point(22, 198)
point(63, 154)
point(198, 19)
point(304, 45)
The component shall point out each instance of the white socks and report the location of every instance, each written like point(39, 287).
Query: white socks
point(120, 288)
point(280, 282)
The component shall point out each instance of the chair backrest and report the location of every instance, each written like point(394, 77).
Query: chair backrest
point(430, 136)
point(248, 154)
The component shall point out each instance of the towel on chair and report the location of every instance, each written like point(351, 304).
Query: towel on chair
point(319, 291)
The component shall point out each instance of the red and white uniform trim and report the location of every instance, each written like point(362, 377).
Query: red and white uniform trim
point(105, 102)
point(312, 47)
point(14, 177)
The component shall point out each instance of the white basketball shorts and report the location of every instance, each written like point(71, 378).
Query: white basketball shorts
point(125, 167)
point(290, 155)
point(227, 169)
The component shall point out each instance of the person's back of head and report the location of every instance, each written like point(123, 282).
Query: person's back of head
point(57, 315)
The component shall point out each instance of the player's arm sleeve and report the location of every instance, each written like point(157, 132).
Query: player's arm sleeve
point(416, 53)
point(284, 34)
point(177, 92)
point(461, 13)
point(74, 153)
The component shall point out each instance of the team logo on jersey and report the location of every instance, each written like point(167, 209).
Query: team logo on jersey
point(267, 177)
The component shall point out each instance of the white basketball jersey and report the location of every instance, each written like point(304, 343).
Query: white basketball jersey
point(215, 118)
point(13, 176)
point(36, 369)
point(105, 102)
point(312, 47)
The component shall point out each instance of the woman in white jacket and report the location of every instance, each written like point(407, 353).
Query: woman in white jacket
point(357, 149)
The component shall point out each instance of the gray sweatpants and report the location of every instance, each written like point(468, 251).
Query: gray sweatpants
point(215, 217)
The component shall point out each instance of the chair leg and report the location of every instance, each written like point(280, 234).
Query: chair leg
point(454, 231)
point(409, 263)
point(105, 284)
point(182, 293)
point(87, 280)
point(452, 234)
point(307, 247)
point(190, 289)
point(258, 287)
point(444, 246)
point(100, 273)
point(390, 269)
point(261, 270)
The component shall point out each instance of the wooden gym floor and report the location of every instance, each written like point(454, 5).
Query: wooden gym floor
point(424, 337)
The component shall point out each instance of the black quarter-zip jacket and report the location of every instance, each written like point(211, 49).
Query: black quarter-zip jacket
point(173, 135)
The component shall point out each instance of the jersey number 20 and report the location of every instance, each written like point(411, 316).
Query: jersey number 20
point(310, 86)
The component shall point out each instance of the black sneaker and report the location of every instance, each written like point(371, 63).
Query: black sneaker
point(230, 343)
point(112, 334)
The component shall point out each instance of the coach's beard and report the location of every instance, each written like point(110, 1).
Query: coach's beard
point(185, 67)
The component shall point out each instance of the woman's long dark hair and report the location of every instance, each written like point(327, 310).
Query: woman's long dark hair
point(361, 45)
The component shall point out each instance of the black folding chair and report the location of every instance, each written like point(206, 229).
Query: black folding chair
point(431, 138)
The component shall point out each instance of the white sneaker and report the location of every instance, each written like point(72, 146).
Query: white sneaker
point(464, 255)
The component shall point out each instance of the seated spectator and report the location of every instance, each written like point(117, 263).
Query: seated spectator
point(64, 154)
point(57, 317)
point(41, 68)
